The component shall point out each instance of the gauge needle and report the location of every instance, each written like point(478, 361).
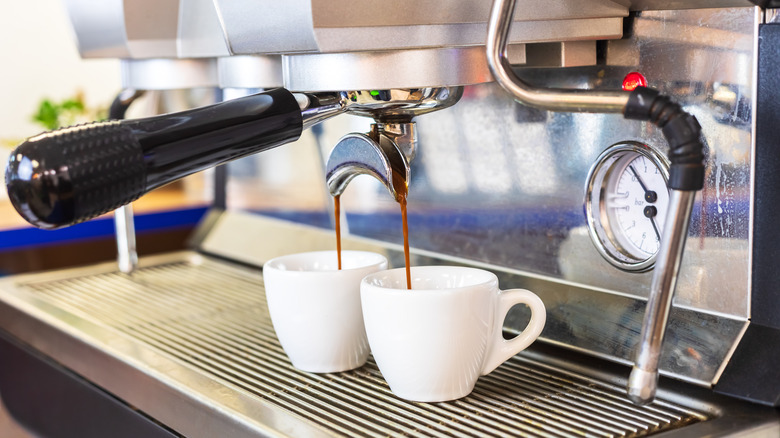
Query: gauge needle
point(650, 212)
point(650, 196)
point(655, 227)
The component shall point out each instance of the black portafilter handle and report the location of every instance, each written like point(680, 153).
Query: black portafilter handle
point(70, 175)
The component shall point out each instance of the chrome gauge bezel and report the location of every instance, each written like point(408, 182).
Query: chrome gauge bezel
point(601, 225)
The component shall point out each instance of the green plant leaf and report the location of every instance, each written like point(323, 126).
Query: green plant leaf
point(47, 115)
point(73, 105)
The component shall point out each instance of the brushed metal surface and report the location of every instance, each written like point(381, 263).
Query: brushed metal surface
point(249, 71)
point(464, 34)
point(199, 30)
point(99, 28)
point(642, 5)
point(412, 12)
point(168, 74)
point(212, 318)
point(565, 54)
point(144, 29)
point(418, 68)
point(323, 26)
point(151, 35)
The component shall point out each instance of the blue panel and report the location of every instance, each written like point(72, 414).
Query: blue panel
point(97, 228)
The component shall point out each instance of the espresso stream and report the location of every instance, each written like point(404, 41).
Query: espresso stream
point(337, 212)
point(403, 191)
point(402, 201)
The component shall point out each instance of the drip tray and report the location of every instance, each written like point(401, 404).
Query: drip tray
point(189, 335)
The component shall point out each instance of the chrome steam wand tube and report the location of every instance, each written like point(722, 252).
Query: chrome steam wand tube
point(643, 381)
point(551, 99)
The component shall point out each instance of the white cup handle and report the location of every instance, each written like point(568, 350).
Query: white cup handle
point(500, 349)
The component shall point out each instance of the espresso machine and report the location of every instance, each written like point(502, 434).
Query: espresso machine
point(643, 219)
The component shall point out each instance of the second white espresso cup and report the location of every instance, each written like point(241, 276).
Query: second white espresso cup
point(431, 343)
point(315, 307)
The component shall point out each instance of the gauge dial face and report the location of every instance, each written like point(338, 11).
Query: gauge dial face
point(626, 202)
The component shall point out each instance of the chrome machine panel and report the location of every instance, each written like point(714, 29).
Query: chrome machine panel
point(500, 184)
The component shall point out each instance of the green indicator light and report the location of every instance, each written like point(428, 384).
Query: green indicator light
point(375, 93)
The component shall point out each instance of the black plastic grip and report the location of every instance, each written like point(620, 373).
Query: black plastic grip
point(74, 174)
point(681, 130)
point(67, 176)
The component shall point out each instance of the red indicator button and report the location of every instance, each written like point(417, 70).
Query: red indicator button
point(633, 80)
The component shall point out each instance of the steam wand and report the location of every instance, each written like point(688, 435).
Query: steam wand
point(686, 176)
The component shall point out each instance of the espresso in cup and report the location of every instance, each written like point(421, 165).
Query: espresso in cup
point(315, 307)
point(431, 343)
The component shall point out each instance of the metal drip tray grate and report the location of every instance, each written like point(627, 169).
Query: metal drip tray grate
point(213, 317)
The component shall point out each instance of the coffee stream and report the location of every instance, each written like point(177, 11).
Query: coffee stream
point(337, 211)
point(402, 200)
point(403, 191)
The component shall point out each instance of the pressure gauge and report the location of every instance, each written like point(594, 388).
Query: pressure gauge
point(627, 196)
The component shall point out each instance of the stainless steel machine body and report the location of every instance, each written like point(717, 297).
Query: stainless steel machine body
point(503, 185)
point(494, 184)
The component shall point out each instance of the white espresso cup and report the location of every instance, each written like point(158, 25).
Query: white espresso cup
point(315, 307)
point(431, 343)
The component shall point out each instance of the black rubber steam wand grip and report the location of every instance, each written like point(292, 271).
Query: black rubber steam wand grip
point(70, 175)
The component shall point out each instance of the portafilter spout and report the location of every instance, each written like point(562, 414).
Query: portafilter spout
point(386, 151)
point(375, 154)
